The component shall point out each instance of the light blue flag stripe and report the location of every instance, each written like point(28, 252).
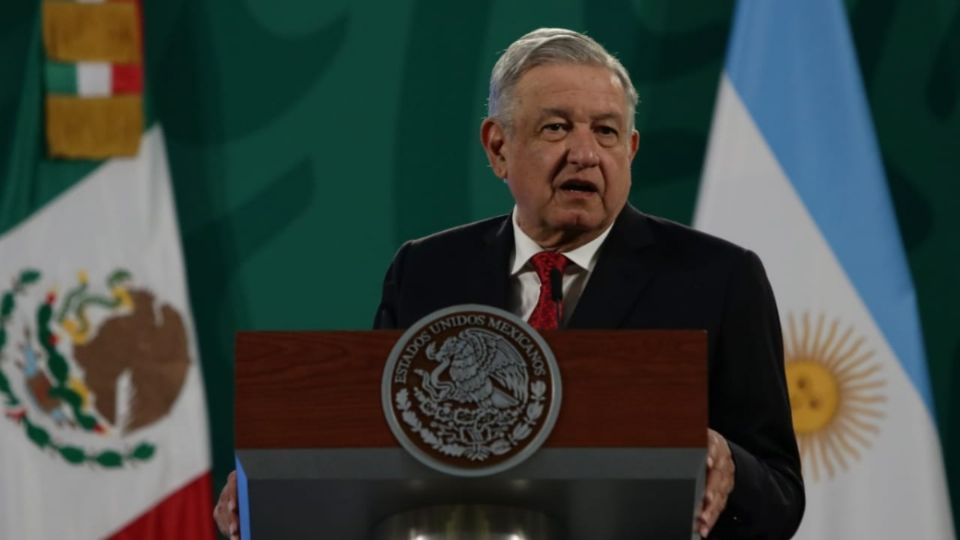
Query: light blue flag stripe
point(793, 65)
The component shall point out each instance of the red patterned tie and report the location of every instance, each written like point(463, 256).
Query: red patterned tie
point(547, 314)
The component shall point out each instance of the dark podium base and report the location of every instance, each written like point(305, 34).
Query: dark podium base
point(582, 492)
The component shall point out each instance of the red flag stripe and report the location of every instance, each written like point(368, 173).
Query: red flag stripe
point(127, 79)
point(185, 515)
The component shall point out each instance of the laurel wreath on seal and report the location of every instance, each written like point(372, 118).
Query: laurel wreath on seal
point(479, 451)
point(109, 458)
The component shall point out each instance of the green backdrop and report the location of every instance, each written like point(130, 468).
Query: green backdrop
point(308, 139)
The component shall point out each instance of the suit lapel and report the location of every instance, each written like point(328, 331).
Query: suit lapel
point(627, 262)
point(491, 286)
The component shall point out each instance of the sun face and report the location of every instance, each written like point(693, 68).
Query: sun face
point(835, 393)
point(813, 396)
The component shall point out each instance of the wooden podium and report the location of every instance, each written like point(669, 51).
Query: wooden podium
point(316, 458)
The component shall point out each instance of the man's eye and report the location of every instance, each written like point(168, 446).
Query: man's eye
point(554, 128)
point(607, 136)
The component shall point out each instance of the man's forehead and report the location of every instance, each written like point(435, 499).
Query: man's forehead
point(549, 76)
point(566, 97)
point(571, 86)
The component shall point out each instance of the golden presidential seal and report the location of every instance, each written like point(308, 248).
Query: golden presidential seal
point(471, 390)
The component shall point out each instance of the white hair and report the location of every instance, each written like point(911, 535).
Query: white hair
point(550, 46)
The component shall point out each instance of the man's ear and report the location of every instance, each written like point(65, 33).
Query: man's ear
point(634, 144)
point(492, 137)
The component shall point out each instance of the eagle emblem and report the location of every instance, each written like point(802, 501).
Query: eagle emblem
point(482, 368)
point(86, 372)
point(471, 390)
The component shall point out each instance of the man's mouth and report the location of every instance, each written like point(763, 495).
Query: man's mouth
point(578, 186)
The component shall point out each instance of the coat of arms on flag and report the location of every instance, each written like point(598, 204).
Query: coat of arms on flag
point(83, 371)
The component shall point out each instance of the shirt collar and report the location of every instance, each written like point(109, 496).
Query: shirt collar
point(585, 256)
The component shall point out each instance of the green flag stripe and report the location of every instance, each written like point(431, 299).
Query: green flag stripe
point(61, 77)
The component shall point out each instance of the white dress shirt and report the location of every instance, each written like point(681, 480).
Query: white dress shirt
point(525, 284)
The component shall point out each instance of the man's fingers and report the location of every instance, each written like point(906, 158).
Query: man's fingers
point(714, 502)
point(719, 482)
point(710, 500)
point(706, 521)
point(713, 505)
point(225, 512)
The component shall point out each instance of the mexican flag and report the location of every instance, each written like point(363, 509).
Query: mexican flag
point(793, 172)
point(103, 428)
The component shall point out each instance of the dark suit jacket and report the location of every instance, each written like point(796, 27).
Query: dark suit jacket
point(651, 273)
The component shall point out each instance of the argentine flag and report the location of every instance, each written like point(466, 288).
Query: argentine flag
point(793, 172)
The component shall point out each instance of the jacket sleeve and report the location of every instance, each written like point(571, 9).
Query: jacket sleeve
point(750, 407)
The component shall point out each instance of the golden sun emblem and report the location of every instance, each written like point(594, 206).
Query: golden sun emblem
point(835, 394)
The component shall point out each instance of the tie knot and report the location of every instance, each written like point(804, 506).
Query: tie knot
point(545, 261)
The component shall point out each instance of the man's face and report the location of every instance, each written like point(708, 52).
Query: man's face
point(566, 156)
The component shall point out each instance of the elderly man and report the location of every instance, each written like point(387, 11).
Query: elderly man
point(560, 133)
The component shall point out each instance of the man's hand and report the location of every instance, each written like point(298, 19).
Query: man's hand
point(225, 513)
point(719, 484)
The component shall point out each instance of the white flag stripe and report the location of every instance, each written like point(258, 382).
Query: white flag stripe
point(94, 79)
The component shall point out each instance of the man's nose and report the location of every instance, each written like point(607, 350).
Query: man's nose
point(583, 150)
